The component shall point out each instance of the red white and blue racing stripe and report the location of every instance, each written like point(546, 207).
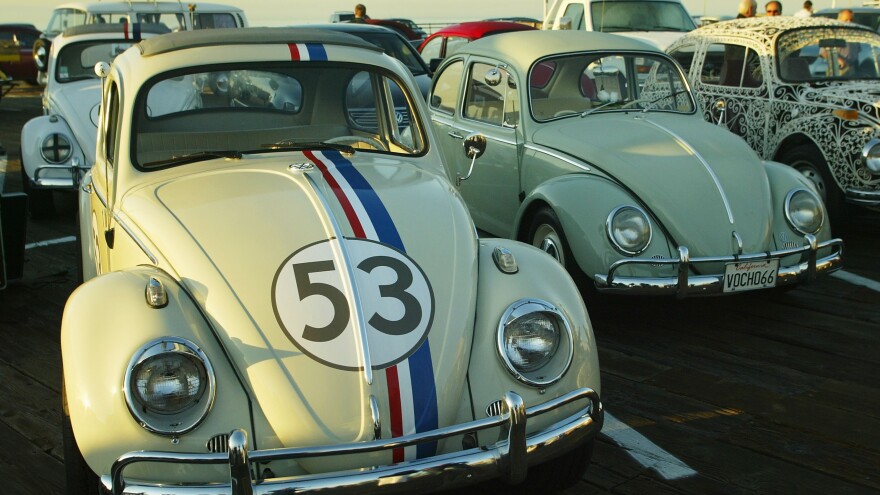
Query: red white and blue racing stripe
point(307, 51)
point(411, 388)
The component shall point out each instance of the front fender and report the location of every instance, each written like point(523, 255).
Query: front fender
point(784, 179)
point(582, 203)
point(40, 171)
point(105, 322)
point(539, 277)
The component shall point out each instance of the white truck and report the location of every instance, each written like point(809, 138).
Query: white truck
point(659, 22)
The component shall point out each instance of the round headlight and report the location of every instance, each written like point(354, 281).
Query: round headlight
point(871, 154)
point(804, 211)
point(56, 148)
point(629, 230)
point(534, 342)
point(169, 386)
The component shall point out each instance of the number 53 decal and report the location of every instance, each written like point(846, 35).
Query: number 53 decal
point(314, 309)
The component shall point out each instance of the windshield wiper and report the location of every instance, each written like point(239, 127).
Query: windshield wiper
point(195, 157)
point(633, 102)
point(290, 145)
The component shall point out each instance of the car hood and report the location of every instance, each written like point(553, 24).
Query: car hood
point(78, 102)
point(255, 241)
point(700, 182)
point(860, 95)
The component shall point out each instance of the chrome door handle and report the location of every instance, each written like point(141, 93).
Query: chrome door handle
point(456, 136)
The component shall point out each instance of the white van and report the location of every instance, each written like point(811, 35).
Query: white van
point(659, 22)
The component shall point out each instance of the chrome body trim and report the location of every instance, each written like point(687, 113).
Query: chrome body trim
point(703, 161)
point(609, 230)
point(864, 198)
point(127, 229)
point(376, 416)
point(509, 457)
point(348, 279)
point(557, 155)
point(685, 284)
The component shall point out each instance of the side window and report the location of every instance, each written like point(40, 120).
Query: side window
point(432, 49)
point(444, 96)
point(575, 12)
point(684, 55)
point(111, 122)
point(453, 43)
point(733, 66)
point(486, 91)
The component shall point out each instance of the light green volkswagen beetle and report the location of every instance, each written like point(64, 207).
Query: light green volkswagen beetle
point(588, 146)
point(285, 294)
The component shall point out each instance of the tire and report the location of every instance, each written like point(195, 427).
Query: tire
point(40, 201)
point(552, 476)
point(545, 233)
point(80, 478)
point(809, 161)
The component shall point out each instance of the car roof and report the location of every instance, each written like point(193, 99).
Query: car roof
point(769, 26)
point(248, 36)
point(478, 29)
point(836, 10)
point(134, 6)
point(116, 28)
point(354, 27)
point(523, 48)
point(15, 25)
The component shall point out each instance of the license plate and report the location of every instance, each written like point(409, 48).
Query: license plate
point(750, 275)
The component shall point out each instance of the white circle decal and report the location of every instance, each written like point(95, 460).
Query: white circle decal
point(317, 303)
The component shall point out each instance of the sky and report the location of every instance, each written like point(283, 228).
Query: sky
point(283, 12)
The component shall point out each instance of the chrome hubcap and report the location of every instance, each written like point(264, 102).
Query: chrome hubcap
point(547, 240)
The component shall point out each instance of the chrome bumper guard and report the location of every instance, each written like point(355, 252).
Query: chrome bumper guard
point(509, 458)
point(686, 284)
point(74, 169)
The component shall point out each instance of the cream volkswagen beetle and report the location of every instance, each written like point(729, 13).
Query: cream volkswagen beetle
point(590, 147)
point(284, 293)
point(58, 146)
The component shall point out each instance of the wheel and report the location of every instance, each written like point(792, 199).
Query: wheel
point(372, 142)
point(40, 201)
point(552, 476)
point(809, 161)
point(80, 478)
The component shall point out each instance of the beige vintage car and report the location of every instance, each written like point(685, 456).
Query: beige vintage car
point(284, 293)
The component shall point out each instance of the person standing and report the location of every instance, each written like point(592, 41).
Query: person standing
point(747, 8)
point(360, 14)
point(807, 11)
point(773, 8)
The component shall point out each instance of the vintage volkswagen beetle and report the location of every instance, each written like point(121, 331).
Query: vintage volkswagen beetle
point(592, 150)
point(789, 104)
point(268, 308)
point(58, 146)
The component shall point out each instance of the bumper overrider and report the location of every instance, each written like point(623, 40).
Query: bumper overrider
point(509, 458)
point(686, 284)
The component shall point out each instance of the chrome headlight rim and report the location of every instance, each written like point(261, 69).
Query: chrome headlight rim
point(562, 358)
point(187, 420)
point(609, 230)
point(47, 145)
point(872, 162)
point(787, 209)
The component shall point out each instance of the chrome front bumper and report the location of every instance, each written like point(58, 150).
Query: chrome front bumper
point(863, 198)
point(509, 458)
point(685, 284)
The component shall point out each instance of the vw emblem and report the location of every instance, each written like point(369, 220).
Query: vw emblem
point(399, 116)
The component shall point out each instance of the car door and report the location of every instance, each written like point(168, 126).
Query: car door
point(97, 227)
point(489, 105)
point(733, 88)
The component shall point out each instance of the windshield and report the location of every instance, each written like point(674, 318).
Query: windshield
point(618, 16)
point(256, 108)
point(589, 83)
point(76, 61)
point(804, 54)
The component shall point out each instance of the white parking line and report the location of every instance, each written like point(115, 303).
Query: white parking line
point(857, 280)
point(50, 242)
point(644, 451)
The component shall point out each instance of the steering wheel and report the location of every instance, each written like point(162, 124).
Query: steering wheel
point(371, 141)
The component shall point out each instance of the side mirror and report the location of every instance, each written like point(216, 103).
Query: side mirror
point(102, 69)
point(434, 64)
point(474, 147)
